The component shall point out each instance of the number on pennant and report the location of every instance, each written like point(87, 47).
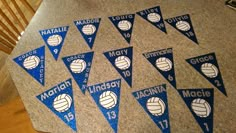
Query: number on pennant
point(127, 35)
point(163, 124)
point(55, 51)
point(69, 116)
point(90, 39)
point(111, 115)
point(218, 83)
point(189, 34)
point(126, 73)
point(206, 125)
point(170, 78)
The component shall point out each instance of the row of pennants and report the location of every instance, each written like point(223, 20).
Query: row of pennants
point(81, 79)
point(37, 57)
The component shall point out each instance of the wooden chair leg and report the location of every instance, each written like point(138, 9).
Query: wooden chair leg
point(12, 14)
point(25, 3)
point(20, 12)
point(9, 22)
point(7, 44)
point(5, 28)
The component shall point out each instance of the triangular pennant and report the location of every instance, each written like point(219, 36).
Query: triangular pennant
point(154, 102)
point(33, 62)
point(59, 99)
point(122, 60)
point(184, 25)
point(208, 67)
point(54, 39)
point(79, 66)
point(88, 29)
point(124, 24)
point(163, 61)
point(154, 16)
point(200, 102)
point(107, 97)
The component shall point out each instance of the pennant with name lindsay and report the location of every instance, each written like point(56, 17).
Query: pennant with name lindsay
point(33, 62)
point(154, 102)
point(59, 99)
point(124, 24)
point(107, 97)
point(163, 61)
point(79, 66)
point(184, 25)
point(153, 15)
point(54, 39)
point(208, 67)
point(88, 29)
point(201, 104)
point(122, 60)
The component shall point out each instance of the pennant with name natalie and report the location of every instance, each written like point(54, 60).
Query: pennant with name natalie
point(59, 99)
point(54, 39)
point(122, 59)
point(153, 16)
point(163, 61)
point(208, 67)
point(33, 62)
point(79, 66)
point(184, 25)
point(88, 29)
point(200, 102)
point(107, 97)
point(124, 24)
point(154, 102)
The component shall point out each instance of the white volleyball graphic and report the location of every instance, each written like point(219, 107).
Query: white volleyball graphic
point(201, 107)
point(31, 62)
point(108, 99)
point(54, 40)
point(124, 25)
point(183, 25)
point(78, 66)
point(62, 102)
point(89, 29)
point(156, 106)
point(164, 64)
point(209, 70)
point(122, 62)
point(154, 17)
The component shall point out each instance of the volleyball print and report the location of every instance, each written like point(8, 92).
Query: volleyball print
point(183, 25)
point(77, 66)
point(122, 62)
point(89, 29)
point(54, 40)
point(124, 25)
point(31, 62)
point(62, 102)
point(155, 106)
point(154, 17)
point(108, 99)
point(164, 64)
point(201, 107)
point(209, 70)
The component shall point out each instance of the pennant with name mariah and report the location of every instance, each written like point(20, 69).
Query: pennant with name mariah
point(54, 39)
point(154, 102)
point(33, 62)
point(59, 99)
point(200, 102)
point(124, 24)
point(107, 97)
point(88, 29)
point(208, 67)
point(153, 15)
point(184, 25)
point(163, 61)
point(79, 66)
point(122, 60)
